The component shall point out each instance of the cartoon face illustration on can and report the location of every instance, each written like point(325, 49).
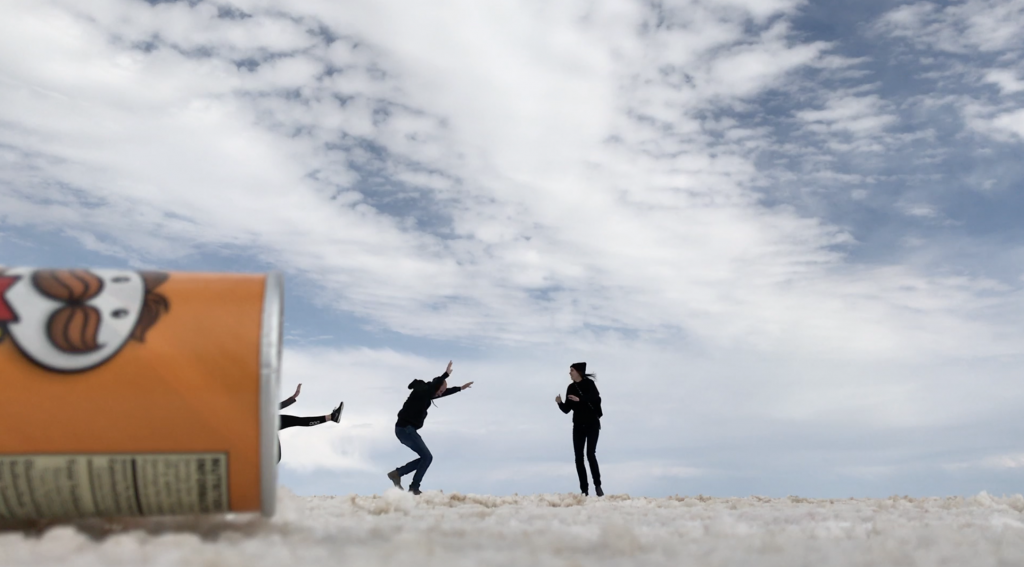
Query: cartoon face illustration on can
point(75, 320)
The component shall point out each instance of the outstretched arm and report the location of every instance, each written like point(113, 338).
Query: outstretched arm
point(447, 372)
point(291, 400)
point(455, 389)
point(450, 391)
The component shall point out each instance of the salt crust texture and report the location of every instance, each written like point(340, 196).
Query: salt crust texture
point(550, 529)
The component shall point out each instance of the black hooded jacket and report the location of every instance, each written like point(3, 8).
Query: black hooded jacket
point(414, 411)
point(587, 411)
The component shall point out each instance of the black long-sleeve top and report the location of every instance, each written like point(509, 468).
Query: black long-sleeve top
point(287, 403)
point(587, 411)
point(414, 411)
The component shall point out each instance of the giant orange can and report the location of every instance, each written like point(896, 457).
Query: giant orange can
point(136, 393)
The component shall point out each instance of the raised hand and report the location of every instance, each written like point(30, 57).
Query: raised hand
point(297, 389)
point(449, 369)
point(466, 385)
point(558, 398)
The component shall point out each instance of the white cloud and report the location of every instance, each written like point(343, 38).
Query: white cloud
point(502, 130)
point(852, 122)
point(1012, 122)
point(853, 114)
point(977, 31)
point(1006, 461)
point(572, 174)
point(1006, 79)
point(920, 211)
point(1010, 461)
point(998, 122)
point(986, 25)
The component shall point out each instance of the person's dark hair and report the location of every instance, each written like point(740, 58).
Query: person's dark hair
point(581, 369)
point(418, 384)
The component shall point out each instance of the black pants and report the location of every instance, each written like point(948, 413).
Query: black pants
point(292, 421)
point(586, 434)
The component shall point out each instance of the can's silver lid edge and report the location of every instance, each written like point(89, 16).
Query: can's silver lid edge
point(270, 380)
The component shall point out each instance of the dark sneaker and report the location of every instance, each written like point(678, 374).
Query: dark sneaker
point(415, 490)
point(396, 478)
point(598, 490)
point(336, 414)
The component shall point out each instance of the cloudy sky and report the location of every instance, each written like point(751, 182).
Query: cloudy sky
point(785, 234)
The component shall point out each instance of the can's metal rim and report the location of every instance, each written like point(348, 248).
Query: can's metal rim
point(270, 374)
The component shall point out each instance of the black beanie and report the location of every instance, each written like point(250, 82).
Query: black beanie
point(580, 368)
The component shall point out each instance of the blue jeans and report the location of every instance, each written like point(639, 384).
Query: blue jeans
point(411, 439)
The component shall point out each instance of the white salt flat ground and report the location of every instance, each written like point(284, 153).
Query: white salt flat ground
point(553, 529)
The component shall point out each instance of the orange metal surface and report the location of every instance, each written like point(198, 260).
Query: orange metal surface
point(188, 382)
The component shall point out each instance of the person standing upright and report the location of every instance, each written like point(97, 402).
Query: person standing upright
point(411, 418)
point(584, 401)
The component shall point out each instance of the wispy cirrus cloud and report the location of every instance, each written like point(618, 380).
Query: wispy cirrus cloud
point(857, 115)
point(976, 42)
point(558, 181)
point(613, 177)
point(961, 27)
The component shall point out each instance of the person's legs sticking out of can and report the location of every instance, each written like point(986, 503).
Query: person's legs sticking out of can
point(294, 421)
